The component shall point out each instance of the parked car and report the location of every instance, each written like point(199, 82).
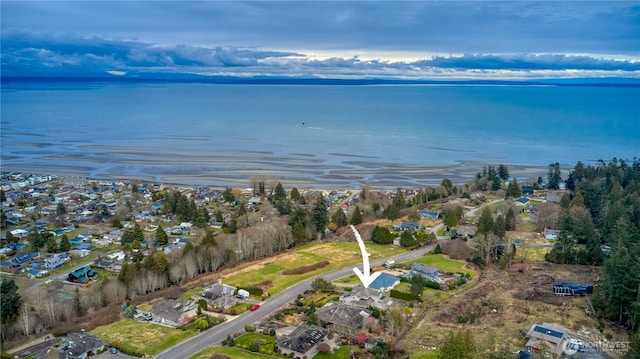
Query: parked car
point(254, 307)
point(113, 350)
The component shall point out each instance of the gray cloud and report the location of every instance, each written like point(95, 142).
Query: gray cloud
point(593, 27)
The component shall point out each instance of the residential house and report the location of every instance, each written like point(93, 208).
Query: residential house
point(407, 226)
point(82, 275)
point(429, 214)
point(79, 252)
point(427, 272)
point(9, 266)
point(53, 262)
point(363, 297)
point(117, 256)
point(25, 258)
point(36, 273)
point(302, 342)
point(527, 190)
point(172, 312)
point(551, 234)
point(385, 282)
point(343, 317)
point(215, 292)
point(547, 337)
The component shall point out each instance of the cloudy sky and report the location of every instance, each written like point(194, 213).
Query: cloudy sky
point(342, 39)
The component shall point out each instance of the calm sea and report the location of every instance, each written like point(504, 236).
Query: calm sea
point(330, 135)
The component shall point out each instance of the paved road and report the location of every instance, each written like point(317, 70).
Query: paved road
point(218, 333)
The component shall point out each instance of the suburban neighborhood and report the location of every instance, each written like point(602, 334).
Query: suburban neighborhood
point(179, 258)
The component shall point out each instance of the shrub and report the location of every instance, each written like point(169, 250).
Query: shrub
point(255, 291)
point(272, 332)
point(254, 348)
point(438, 250)
point(431, 284)
point(249, 328)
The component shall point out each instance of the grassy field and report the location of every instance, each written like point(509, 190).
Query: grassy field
point(343, 353)
point(143, 338)
point(338, 254)
point(230, 352)
point(443, 263)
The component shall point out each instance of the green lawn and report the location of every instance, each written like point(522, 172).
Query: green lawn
point(191, 292)
point(338, 254)
point(143, 338)
point(443, 263)
point(234, 353)
point(343, 353)
point(245, 340)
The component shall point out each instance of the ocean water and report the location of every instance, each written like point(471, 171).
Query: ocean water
point(321, 135)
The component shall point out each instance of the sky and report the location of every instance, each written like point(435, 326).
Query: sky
point(324, 39)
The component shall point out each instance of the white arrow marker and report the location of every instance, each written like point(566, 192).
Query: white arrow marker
point(366, 278)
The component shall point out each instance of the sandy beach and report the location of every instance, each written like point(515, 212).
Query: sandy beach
point(237, 168)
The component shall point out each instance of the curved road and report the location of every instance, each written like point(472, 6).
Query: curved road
point(218, 333)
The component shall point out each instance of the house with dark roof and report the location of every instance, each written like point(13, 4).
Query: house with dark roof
point(407, 226)
point(73, 346)
point(172, 312)
point(343, 317)
point(385, 282)
point(302, 342)
point(427, 272)
point(216, 291)
point(527, 190)
point(25, 258)
point(82, 276)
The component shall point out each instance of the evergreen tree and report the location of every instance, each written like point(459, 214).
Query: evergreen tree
point(52, 245)
point(513, 190)
point(339, 218)
point(499, 227)
point(554, 176)
point(399, 202)
point(407, 240)
point(503, 172)
point(496, 184)
point(65, 244)
point(161, 236)
point(356, 218)
point(319, 215)
point(381, 235)
point(510, 220)
point(295, 195)
point(437, 250)
point(219, 217)
point(299, 233)
point(485, 223)
point(391, 212)
point(10, 301)
point(280, 201)
point(137, 234)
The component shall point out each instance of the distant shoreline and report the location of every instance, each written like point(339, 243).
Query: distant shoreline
point(405, 176)
point(237, 80)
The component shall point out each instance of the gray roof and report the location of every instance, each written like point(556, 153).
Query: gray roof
point(303, 339)
point(343, 315)
point(424, 269)
point(169, 309)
